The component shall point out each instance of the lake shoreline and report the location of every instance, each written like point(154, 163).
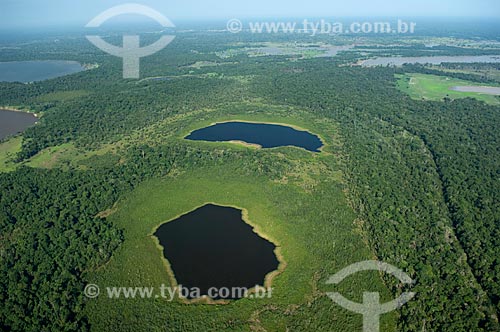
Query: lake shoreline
point(257, 145)
point(298, 128)
point(399, 61)
point(13, 109)
point(31, 71)
point(268, 279)
point(14, 122)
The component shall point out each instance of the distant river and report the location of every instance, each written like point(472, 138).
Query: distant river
point(434, 60)
point(489, 90)
point(32, 71)
point(12, 123)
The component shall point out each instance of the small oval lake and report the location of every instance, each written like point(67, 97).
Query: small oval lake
point(213, 246)
point(12, 123)
point(263, 134)
point(32, 71)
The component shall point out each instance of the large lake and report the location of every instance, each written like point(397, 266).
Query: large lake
point(12, 123)
point(213, 247)
point(262, 134)
point(434, 60)
point(32, 71)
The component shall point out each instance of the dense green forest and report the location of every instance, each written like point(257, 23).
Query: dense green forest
point(410, 165)
point(419, 179)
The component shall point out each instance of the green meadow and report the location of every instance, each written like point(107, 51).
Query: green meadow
point(436, 88)
point(305, 214)
point(8, 151)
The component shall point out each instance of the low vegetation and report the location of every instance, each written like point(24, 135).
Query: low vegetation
point(438, 88)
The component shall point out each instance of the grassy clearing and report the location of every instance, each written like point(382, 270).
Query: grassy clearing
point(57, 156)
point(51, 157)
point(306, 214)
point(314, 244)
point(62, 96)
point(431, 87)
point(8, 151)
point(67, 155)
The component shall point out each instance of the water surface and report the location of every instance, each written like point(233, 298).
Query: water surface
point(32, 71)
point(263, 134)
point(434, 60)
point(489, 90)
point(213, 247)
point(12, 123)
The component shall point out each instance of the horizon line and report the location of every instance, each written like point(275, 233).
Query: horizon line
point(186, 20)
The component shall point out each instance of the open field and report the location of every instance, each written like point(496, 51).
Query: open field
point(8, 150)
point(62, 96)
point(432, 87)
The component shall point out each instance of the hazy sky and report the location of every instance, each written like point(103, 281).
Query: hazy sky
point(58, 12)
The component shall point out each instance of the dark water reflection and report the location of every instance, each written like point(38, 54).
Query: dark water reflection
point(32, 71)
point(12, 123)
point(213, 247)
point(265, 135)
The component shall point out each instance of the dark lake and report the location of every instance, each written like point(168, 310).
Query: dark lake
point(213, 247)
point(263, 134)
point(32, 71)
point(12, 123)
